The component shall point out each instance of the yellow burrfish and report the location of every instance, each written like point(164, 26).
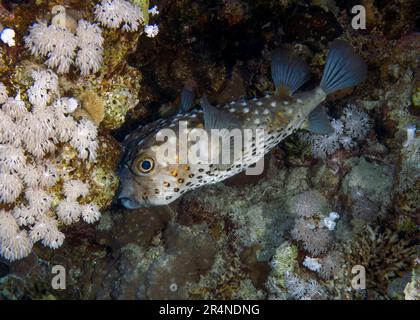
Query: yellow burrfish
point(165, 159)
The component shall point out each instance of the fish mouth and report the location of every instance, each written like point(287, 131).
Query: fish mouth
point(128, 203)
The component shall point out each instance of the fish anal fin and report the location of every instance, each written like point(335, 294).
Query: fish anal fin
point(318, 122)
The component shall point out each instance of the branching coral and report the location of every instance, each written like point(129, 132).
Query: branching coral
point(384, 255)
point(30, 136)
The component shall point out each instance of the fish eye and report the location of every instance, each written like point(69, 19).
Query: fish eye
point(145, 164)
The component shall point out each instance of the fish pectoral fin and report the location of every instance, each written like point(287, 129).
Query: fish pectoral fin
point(289, 71)
point(187, 99)
point(318, 122)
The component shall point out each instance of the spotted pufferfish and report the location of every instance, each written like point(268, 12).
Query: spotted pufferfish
point(147, 182)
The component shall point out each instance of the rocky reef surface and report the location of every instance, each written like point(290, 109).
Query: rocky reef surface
point(294, 232)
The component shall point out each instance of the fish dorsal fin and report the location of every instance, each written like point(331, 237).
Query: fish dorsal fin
point(318, 122)
point(187, 99)
point(289, 72)
point(215, 118)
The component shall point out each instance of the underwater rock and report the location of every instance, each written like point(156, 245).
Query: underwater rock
point(368, 190)
point(187, 257)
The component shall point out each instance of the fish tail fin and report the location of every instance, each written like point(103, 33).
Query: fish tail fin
point(343, 69)
point(289, 71)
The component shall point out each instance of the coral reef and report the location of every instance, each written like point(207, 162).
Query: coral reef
point(34, 138)
point(323, 204)
point(57, 166)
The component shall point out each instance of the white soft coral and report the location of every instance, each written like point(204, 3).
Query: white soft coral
point(10, 187)
point(12, 159)
point(356, 122)
point(114, 13)
point(9, 131)
point(90, 41)
point(354, 125)
point(74, 189)
point(54, 42)
point(45, 230)
point(3, 93)
point(63, 48)
point(69, 211)
point(84, 139)
point(14, 243)
point(325, 145)
point(90, 213)
point(45, 86)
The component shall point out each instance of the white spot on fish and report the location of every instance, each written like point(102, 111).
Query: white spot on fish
point(266, 111)
point(232, 102)
point(232, 110)
point(256, 112)
point(245, 110)
point(286, 102)
point(257, 121)
point(299, 101)
point(243, 103)
point(259, 103)
point(273, 104)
